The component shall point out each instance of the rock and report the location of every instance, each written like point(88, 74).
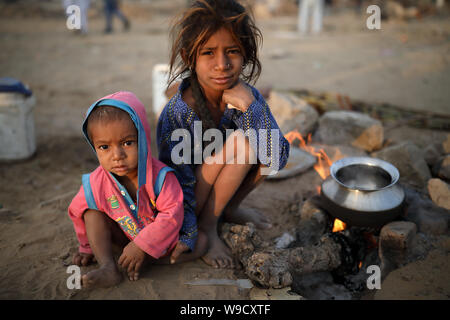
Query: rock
point(444, 170)
point(446, 144)
point(439, 192)
point(394, 10)
point(409, 160)
point(395, 241)
point(421, 137)
point(292, 113)
point(299, 161)
point(351, 128)
point(428, 217)
point(261, 11)
point(432, 155)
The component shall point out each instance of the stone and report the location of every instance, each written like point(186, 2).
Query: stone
point(394, 10)
point(432, 155)
point(261, 11)
point(421, 137)
point(446, 144)
point(351, 128)
point(409, 161)
point(439, 192)
point(428, 217)
point(444, 170)
point(395, 242)
point(292, 113)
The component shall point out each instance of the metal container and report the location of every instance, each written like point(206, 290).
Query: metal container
point(363, 191)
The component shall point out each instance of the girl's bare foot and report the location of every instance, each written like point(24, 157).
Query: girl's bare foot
point(104, 277)
point(242, 216)
point(218, 255)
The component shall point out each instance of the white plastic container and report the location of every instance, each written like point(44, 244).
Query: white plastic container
point(17, 133)
point(160, 78)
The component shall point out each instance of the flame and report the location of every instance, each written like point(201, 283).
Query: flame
point(360, 265)
point(323, 164)
point(338, 225)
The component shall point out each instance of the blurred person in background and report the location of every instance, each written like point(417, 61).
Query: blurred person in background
point(307, 8)
point(112, 8)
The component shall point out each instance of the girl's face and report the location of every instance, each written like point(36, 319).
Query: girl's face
point(116, 146)
point(219, 62)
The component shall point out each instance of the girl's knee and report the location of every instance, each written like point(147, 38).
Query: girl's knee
point(242, 151)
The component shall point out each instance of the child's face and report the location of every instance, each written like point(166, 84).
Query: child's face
point(116, 145)
point(219, 62)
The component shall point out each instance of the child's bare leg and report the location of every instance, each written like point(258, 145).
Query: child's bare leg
point(216, 185)
point(100, 235)
point(236, 214)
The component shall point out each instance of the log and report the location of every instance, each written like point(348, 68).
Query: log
point(273, 268)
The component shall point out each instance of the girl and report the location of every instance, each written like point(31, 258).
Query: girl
point(215, 44)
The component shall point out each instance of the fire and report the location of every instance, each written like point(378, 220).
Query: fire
point(338, 225)
point(323, 164)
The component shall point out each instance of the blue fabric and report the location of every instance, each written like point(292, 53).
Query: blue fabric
point(160, 180)
point(88, 192)
point(177, 114)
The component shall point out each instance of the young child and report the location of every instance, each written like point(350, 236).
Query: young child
point(215, 43)
point(131, 199)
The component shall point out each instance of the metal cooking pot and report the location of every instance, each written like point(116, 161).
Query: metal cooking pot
point(363, 191)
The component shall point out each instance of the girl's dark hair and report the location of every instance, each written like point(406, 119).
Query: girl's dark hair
point(193, 29)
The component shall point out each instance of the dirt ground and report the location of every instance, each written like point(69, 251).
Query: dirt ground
point(405, 64)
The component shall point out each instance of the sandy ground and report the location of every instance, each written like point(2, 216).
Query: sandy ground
point(405, 63)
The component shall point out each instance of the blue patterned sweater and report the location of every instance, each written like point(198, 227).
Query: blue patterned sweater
point(178, 115)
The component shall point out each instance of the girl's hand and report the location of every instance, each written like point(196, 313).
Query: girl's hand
point(131, 260)
point(83, 259)
point(239, 96)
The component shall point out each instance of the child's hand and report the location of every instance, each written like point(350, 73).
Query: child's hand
point(179, 249)
point(131, 260)
point(239, 97)
point(83, 259)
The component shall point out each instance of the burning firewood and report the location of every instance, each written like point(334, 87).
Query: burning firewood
point(271, 267)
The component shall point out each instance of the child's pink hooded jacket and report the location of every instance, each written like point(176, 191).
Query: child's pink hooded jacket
point(152, 225)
